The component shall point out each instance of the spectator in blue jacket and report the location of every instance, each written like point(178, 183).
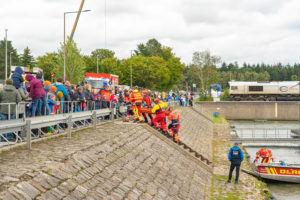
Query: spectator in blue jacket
point(17, 77)
point(61, 88)
point(236, 157)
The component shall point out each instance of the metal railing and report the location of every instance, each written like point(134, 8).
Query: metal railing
point(252, 134)
point(26, 130)
point(71, 115)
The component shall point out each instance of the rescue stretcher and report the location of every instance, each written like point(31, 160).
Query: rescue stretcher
point(148, 111)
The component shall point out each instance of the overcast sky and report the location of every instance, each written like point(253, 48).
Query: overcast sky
point(236, 30)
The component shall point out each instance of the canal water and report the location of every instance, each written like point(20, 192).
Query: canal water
point(280, 191)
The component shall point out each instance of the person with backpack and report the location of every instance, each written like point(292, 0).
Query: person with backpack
point(236, 157)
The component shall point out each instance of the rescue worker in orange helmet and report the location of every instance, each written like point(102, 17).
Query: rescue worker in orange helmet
point(147, 104)
point(265, 155)
point(173, 128)
point(159, 110)
point(136, 101)
point(105, 96)
point(127, 103)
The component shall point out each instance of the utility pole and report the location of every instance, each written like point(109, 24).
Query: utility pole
point(74, 28)
point(97, 64)
point(6, 54)
point(10, 59)
point(131, 68)
point(64, 46)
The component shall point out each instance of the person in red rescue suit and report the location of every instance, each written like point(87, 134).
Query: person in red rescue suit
point(136, 101)
point(127, 103)
point(147, 104)
point(265, 155)
point(173, 128)
point(159, 110)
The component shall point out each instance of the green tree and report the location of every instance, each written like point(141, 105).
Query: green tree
point(91, 61)
point(26, 59)
point(75, 64)
point(11, 52)
point(207, 70)
point(294, 77)
point(147, 72)
point(151, 48)
point(48, 63)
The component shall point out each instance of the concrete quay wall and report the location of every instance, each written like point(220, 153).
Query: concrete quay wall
point(287, 111)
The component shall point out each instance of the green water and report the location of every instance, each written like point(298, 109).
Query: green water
point(280, 191)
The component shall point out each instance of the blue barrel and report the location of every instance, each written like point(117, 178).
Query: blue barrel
point(216, 114)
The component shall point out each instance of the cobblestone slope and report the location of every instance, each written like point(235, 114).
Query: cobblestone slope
point(196, 131)
point(118, 161)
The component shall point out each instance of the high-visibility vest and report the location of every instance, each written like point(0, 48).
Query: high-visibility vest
point(174, 115)
point(136, 97)
point(105, 93)
point(126, 99)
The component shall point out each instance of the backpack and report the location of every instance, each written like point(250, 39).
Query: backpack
point(236, 156)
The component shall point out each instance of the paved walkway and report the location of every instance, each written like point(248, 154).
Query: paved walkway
point(196, 131)
point(118, 161)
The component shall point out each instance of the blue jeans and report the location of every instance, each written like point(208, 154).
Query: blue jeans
point(45, 103)
point(7, 135)
point(36, 107)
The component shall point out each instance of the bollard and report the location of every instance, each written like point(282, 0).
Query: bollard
point(69, 122)
point(94, 118)
point(112, 117)
point(28, 133)
point(122, 111)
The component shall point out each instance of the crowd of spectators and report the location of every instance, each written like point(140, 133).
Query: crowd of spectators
point(41, 97)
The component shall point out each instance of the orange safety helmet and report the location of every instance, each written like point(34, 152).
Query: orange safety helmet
point(47, 83)
point(145, 92)
point(53, 89)
point(156, 100)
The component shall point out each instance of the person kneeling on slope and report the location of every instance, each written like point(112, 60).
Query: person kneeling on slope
point(173, 128)
point(159, 110)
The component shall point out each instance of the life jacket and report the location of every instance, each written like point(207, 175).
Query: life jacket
point(136, 97)
point(161, 108)
point(236, 156)
point(265, 153)
point(126, 98)
point(105, 93)
point(174, 115)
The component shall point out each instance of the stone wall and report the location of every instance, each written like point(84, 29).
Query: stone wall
point(252, 110)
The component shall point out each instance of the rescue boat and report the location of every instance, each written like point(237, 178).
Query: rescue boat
point(277, 172)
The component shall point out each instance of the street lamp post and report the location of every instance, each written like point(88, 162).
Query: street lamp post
point(97, 64)
point(10, 59)
point(131, 68)
point(6, 54)
point(65, 38)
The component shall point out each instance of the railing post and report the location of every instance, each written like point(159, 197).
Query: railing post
point(112, 117)
point(69, 122)
point(28, 133)
point(94, 118)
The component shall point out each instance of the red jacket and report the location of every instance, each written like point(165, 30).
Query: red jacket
point(147, 101)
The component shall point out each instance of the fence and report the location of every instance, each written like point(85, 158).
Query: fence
point(256, 134)
point(27, 129)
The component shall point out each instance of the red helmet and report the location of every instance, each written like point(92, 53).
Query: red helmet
point(156, 100)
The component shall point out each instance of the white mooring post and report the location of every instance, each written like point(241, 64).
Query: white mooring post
point(69, 122)
point(28, 133)
point(94, 118)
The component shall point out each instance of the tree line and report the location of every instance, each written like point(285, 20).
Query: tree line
point(153, 66)
point(233, 71)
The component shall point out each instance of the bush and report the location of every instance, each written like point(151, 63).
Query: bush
point(225, 96)
point(205, 98)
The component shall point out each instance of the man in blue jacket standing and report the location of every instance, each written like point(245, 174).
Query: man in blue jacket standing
point(236, 157)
